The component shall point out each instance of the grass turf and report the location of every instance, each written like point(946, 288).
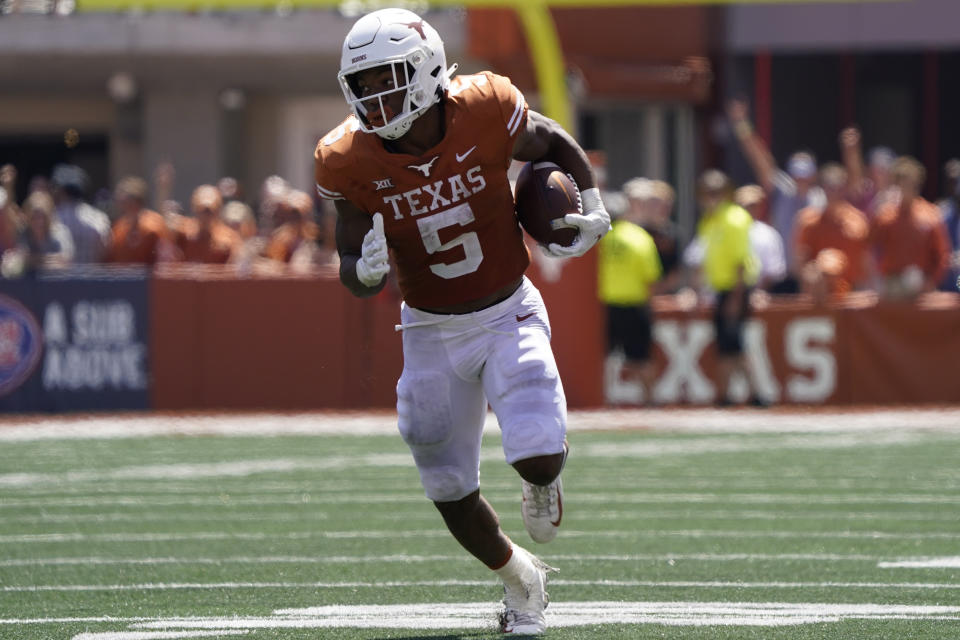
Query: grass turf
point(100, 536)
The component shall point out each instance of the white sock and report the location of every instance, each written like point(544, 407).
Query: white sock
point(511, 572)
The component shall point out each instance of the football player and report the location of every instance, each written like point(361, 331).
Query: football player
point(419, 170)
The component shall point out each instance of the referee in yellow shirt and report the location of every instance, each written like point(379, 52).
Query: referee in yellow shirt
point(731, 268)
point(628, 266)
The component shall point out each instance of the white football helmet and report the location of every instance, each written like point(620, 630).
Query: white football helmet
point(413, 50)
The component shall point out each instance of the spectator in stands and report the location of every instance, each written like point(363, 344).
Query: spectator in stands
point(39, 183)
point(651, 205)
point(869, 187)
point(140, 235)
point(230, 190)
point(764, 239)
point(908, 237)
point(950, 212)
point(164, 181)
point(789, 191)
point(46, 242)
point(731, 269)
point(294, 242)
point(273, 192)
point(239, 217)
point(8, 183)
point(628, 267)
point(9, 230)
point(89, 227)
point(204, 237)
point(839, 227)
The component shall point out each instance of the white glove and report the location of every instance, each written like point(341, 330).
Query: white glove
point(374, 263)
point(593, 224)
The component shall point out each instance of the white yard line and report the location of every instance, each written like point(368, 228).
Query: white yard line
point(405, 584)
point(948, 562)
point(583, 514)
point(480, 615)
point(159, 635)
point(643, 448)
point(16, 429)
point(730, 479)
point(47, 538)
point(405, 559)
point(624, 497)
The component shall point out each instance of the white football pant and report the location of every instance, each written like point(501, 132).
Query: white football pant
point(454, 365)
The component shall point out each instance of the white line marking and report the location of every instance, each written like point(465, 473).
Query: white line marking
point(406, 559)
point(480, 615)
point(159, 635)
point(584, 513)
point(475, 615)
point(47, 538)
point(644, 448)
point(203, 470)
point(656, 448)
point(141, 425)
point(404, 584)
point(949, 562)
point(612, 497)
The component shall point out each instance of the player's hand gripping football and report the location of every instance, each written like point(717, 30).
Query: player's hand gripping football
point(593, 224)
point(374, 263)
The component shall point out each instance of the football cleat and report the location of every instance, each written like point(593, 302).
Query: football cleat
point(524, 604)
point(542, 506)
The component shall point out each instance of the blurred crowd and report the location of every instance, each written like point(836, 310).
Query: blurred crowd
point(821, 231)
point(824, 230)
point(56, 226)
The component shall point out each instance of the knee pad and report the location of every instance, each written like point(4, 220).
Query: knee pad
point(423, 408)
point(447, 483)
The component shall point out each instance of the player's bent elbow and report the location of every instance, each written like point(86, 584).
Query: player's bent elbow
point(348, 277)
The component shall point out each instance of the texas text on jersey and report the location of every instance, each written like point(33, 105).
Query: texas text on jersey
point(448, 214)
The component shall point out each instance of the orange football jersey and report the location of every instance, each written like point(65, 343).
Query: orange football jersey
point(449, 214)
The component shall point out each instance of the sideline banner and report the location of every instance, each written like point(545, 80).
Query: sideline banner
point(855, 351)
point(75, 341)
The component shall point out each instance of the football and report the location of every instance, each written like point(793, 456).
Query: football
point(544, 193)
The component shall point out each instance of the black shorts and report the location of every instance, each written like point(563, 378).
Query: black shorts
point(630, 328)
point(729, 330)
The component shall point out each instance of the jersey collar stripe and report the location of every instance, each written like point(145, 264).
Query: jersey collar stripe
point(515, 119)
point(328, 195)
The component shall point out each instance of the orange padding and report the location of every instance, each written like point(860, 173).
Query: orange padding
point(297, 343)
point(304, 342)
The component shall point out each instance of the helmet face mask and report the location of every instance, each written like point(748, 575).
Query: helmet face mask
point(402, 59)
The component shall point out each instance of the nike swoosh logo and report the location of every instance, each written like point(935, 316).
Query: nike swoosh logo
point(560, 508)
point(523, 317)
point(463, 156)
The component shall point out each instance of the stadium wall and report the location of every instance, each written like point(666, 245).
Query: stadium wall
point(200, 339)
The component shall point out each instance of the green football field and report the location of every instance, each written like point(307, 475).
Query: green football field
point(681, 525)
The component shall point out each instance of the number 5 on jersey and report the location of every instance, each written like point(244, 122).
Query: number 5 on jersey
point(430, 228)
